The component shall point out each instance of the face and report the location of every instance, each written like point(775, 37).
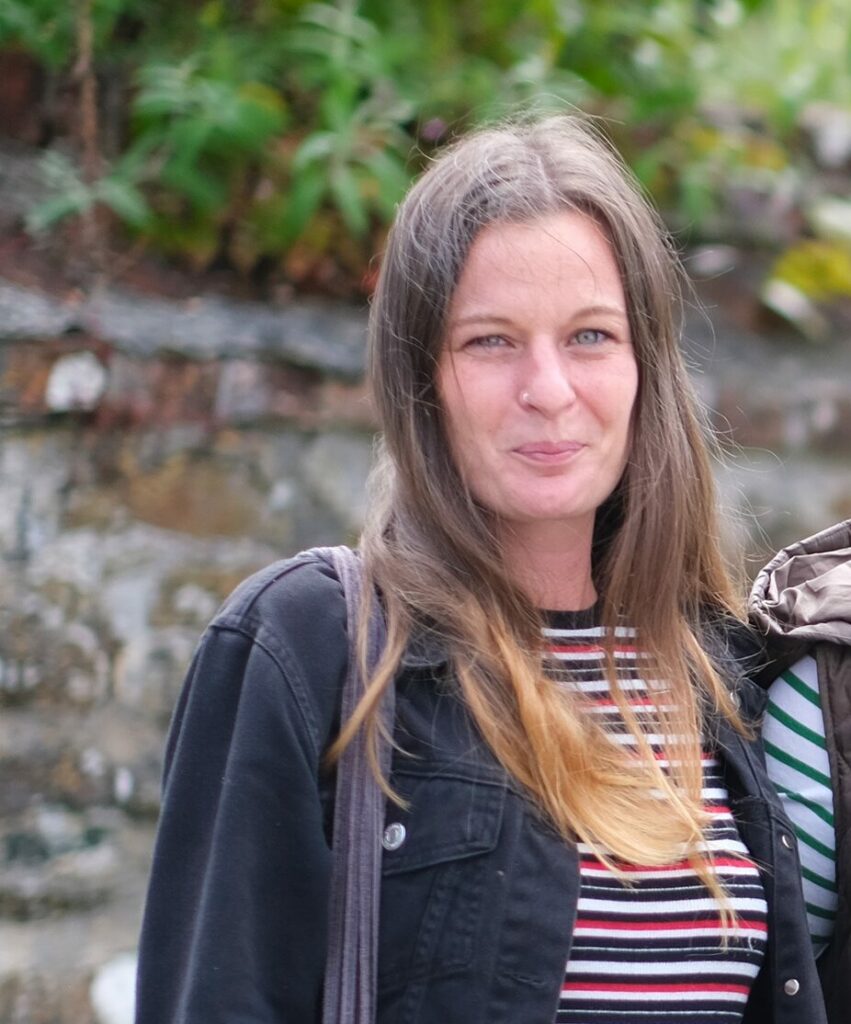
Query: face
point(538, 377)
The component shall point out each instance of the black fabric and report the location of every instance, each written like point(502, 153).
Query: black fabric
point(834, 672)
point(477, 904)
point(585, 618)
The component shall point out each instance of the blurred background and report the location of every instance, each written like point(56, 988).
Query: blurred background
point(192, 197)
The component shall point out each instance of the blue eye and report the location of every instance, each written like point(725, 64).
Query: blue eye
point(590, 336)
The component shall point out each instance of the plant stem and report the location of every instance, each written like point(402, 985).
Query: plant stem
point(84, 72)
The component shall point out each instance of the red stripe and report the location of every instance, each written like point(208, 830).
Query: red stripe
point(637, 926)
point(633, 702)
point(589, 860)
point(697, 987)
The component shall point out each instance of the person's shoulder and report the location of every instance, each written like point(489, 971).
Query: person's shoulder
point(282, 631)
point(295, 611)
point(300, 594)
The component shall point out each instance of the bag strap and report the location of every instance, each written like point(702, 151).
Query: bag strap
point(352, 959)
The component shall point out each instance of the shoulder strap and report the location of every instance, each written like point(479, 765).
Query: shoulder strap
point(351, 967)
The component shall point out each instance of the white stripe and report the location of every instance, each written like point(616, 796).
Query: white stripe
point(687, 872)
point(591, 631)
point(597, 654)
point(807, 671)
point(823, 898)
point(786, 739)
point(799, 708)
point(655, 739)
point(661, 997)
point(670, 890)
point(647, 909)
point(597, 685)
point(661, 968)
point(727, 845)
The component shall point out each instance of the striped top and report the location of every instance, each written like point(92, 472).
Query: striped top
point(797, 762)
point(652, 952)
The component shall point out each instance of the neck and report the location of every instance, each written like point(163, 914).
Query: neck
point(552, 567)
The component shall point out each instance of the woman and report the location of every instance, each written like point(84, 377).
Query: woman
point(581, 828)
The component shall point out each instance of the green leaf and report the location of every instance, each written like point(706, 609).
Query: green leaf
point(338, 105)
point(46, 214)
point(43, 27)
point(203, 190)
point(340, 21)
point(125, 200)
point(348, 200)
point(318, 146)
point(134, 164)
point(392, 178)
point(186, 142)
point(165, 90)
point(60, 173)
point(305, 196)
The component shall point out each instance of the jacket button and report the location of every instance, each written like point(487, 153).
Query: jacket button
point(786, 840)
point(394, 836)
point(791, 986)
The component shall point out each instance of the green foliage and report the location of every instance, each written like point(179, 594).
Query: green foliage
point(355, 155)
point(287, 130)
point(70, 196)
point(695, 165)
point(733, 123)
point(41, 27)
point(47, 29)
point(804, 55)
point(202, 129)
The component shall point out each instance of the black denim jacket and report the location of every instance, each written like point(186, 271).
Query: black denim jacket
point(478, 899)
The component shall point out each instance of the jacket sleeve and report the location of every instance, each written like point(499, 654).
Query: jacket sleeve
point(235, 921)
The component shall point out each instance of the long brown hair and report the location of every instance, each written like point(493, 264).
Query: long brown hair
point(432, 550)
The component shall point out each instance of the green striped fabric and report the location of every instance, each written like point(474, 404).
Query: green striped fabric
point(797, 762)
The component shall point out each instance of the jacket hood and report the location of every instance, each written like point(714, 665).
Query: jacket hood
point(803, 595)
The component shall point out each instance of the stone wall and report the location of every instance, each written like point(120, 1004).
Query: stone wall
point(153, 455)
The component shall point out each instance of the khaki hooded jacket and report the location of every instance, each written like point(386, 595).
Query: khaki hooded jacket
point(801, 604)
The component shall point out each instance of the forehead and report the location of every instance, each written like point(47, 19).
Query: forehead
point(558, 260)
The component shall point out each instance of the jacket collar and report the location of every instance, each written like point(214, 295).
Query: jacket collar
point(425, 650)
point(803, 595)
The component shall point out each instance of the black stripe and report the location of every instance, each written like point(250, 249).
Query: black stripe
point(698, 948)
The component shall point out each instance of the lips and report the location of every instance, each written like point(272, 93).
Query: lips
point(548, 451)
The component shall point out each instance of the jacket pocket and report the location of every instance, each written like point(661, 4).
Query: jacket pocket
point(435, 871)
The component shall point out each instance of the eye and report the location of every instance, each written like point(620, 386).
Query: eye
point(487, 341)
point(591, 336)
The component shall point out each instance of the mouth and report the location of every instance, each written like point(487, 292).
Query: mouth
point(548, 452)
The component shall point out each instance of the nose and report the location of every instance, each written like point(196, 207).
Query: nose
point(547, 384)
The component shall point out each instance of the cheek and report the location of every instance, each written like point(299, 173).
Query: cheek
point(630, 427)
point(454, 419)
point(466, 407)
point(628, 398)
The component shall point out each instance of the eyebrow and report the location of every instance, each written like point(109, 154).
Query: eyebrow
point(475, 318)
